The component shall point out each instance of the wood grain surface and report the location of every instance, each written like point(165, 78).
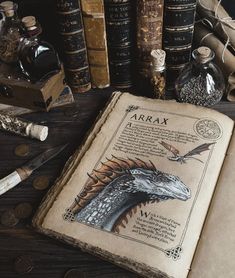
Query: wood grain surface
point(51, 258)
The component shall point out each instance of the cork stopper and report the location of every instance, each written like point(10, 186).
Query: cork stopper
point(203, 54)
point(29, 22)
point(8, 8)
point(39, 132)
point(158, 59)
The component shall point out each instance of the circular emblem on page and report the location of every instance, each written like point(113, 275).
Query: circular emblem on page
point(208, 129)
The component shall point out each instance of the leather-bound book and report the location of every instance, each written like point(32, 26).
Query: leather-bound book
point(74, 45)
point(149, 32)
point(179, 17)
point(95, 33)
point(120, 25)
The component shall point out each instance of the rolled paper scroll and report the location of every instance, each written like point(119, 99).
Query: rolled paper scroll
point(203, 36)
point(23, 127)
point(216, 18)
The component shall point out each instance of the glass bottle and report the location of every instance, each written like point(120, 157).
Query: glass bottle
point(201, 82)
point(2, 19)
point(158, 70)
point(38, 59)
point(10, 34)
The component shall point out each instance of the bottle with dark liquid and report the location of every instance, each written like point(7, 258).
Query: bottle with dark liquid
point(10, 35)
point(38, 59)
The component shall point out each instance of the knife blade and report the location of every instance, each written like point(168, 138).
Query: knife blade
point(27, 169)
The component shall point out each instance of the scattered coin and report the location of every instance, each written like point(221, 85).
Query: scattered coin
point(75, 273)
point(23, 210)
point(9, 219)
point(22, 150)
point(23, 264)
point(41, 182)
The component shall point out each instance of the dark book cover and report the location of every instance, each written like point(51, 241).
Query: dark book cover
point(120, 26)
point(74, 45)
point(179, 18)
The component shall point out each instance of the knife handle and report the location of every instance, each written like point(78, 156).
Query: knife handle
point(9, 182)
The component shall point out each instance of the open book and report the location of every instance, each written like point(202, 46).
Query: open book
point(138, 191)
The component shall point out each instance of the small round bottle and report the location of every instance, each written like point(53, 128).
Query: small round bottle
point(38, 59)
point(201, 82)
point(158, 69)
point(10, 33)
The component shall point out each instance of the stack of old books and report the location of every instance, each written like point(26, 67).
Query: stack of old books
point(109, 42)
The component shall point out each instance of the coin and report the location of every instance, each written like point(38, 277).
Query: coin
point(23, 210)
point(41, 182)
point(75, 273)
point(23, 264)
point(22, 150)
point(9, 219)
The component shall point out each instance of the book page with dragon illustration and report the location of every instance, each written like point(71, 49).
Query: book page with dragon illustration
point(143, 188)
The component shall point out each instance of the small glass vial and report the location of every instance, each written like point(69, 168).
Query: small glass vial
point(38, 59)
point(158, 70)
point(10, 33)
point(201, 82)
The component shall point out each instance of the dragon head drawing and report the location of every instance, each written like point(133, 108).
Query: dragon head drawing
point(158, 185)
point(118, 187)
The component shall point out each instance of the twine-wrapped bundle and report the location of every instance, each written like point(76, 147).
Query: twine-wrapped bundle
point(216, 30)
point(217, 19)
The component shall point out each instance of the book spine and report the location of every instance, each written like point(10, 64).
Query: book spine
point(74, 46)
point(149, 32)
point(120, 38)
point(95, 32)
point(179, 18)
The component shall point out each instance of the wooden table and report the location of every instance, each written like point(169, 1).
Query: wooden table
point(50, 257)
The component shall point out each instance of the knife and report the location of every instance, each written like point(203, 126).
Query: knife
point(26, 170)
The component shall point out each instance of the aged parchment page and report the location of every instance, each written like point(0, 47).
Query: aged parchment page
point(215, 252)
point(185, 144)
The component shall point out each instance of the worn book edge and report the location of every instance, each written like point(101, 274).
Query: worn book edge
point(70, 166)
point(66, 174)
point(72, 163)
point(209, 237)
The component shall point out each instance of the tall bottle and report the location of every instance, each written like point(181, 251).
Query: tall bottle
point(38, 59)
point(10, 34)
point(158, 69)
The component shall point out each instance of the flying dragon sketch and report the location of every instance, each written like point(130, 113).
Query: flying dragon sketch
point(118, 187)
point(189, 155)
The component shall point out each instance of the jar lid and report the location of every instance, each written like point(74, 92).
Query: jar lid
point(203, 54)
point(158, 58)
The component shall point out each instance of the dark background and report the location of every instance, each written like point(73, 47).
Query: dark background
point(50, 257)
point(44, 10)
